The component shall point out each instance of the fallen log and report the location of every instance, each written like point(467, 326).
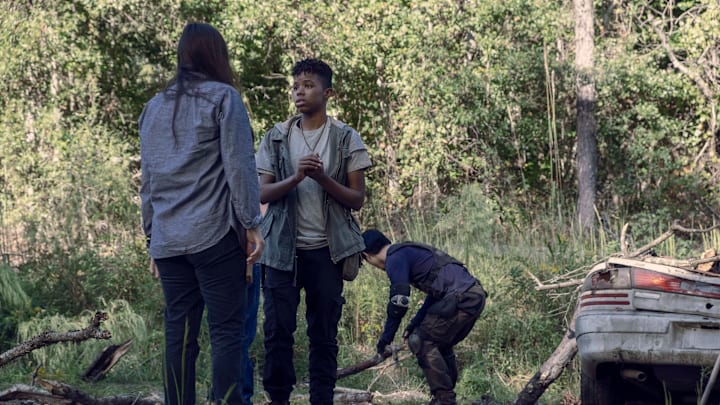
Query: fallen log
point(391, 350)
point(352, 396)
point(56, 393)
point(24, 394)
point(48, 338)
point(344, 395)
point(551, 369)
point(80, 397)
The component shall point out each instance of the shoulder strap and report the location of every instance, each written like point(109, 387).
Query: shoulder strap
point(440, 259)
point(276, 145)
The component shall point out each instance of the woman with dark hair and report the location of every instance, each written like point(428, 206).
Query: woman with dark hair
point(200, 212)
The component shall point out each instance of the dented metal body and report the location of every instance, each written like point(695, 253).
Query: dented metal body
point(647, 332)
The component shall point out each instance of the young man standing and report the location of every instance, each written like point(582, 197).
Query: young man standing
point(312, 175)
point(455, 299)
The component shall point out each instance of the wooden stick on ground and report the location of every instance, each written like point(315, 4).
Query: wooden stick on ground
point(80, 397)
point(391, 350)
point(48, 338)
point(551, 369)
point(57, 393)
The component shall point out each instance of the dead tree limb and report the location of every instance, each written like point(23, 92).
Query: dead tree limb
point(690, 263)
point(79, 397)
point(540, 286)
point(391, 350)
point(344, 395)
point(47, 338)
point(360, 397)
point(24, 394)
point(640, 254)
point(351, 396)
point(105, 361)
point(551, 369)
point(674, 228)
point(624, 239)
point(570, 283)
point(56, 393)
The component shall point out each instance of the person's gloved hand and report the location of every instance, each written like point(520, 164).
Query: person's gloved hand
point(407, 332)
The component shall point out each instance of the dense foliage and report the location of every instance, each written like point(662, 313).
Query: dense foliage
point(467, 109)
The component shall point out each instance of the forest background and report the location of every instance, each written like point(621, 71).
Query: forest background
point(468, 110)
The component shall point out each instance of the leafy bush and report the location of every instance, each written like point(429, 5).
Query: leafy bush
point(70, 281)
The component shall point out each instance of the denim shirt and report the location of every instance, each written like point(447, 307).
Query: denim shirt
point(280, 225)
point(201, 181)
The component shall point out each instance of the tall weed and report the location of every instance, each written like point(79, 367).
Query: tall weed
point(68, 281)
point(520, 326)
point(500, 245)
point(15, 306)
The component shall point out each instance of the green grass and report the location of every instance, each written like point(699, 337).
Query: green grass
point(518, 330)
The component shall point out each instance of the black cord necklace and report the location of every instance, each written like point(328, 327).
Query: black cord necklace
point(302, 131)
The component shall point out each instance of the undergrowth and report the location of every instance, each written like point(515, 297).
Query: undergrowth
point(518, 330)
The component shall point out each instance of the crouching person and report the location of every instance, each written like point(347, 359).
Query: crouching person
point(455, 299)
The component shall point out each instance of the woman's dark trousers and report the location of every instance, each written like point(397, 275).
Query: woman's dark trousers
point(213, 278)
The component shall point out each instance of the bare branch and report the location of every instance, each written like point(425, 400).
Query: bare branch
point(535, 279)
point(686, 264)
point(679, 65)
point(568, 279)
point(623, 239)
point(675, 227)
point(570, 283)
point(391, 350)
point(48, 338)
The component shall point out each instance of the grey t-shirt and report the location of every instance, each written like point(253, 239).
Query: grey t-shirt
point(311, 216)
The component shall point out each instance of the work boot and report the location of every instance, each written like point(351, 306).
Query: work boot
point(443, 398)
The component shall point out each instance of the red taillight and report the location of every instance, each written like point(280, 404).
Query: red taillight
point(614, 299)
point(650, 280)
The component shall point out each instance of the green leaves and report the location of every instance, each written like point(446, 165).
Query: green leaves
point(443, 93)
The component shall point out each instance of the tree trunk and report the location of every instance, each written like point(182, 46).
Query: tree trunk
point(586, 159)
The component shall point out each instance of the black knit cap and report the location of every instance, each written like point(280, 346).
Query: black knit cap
point(374, 241)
